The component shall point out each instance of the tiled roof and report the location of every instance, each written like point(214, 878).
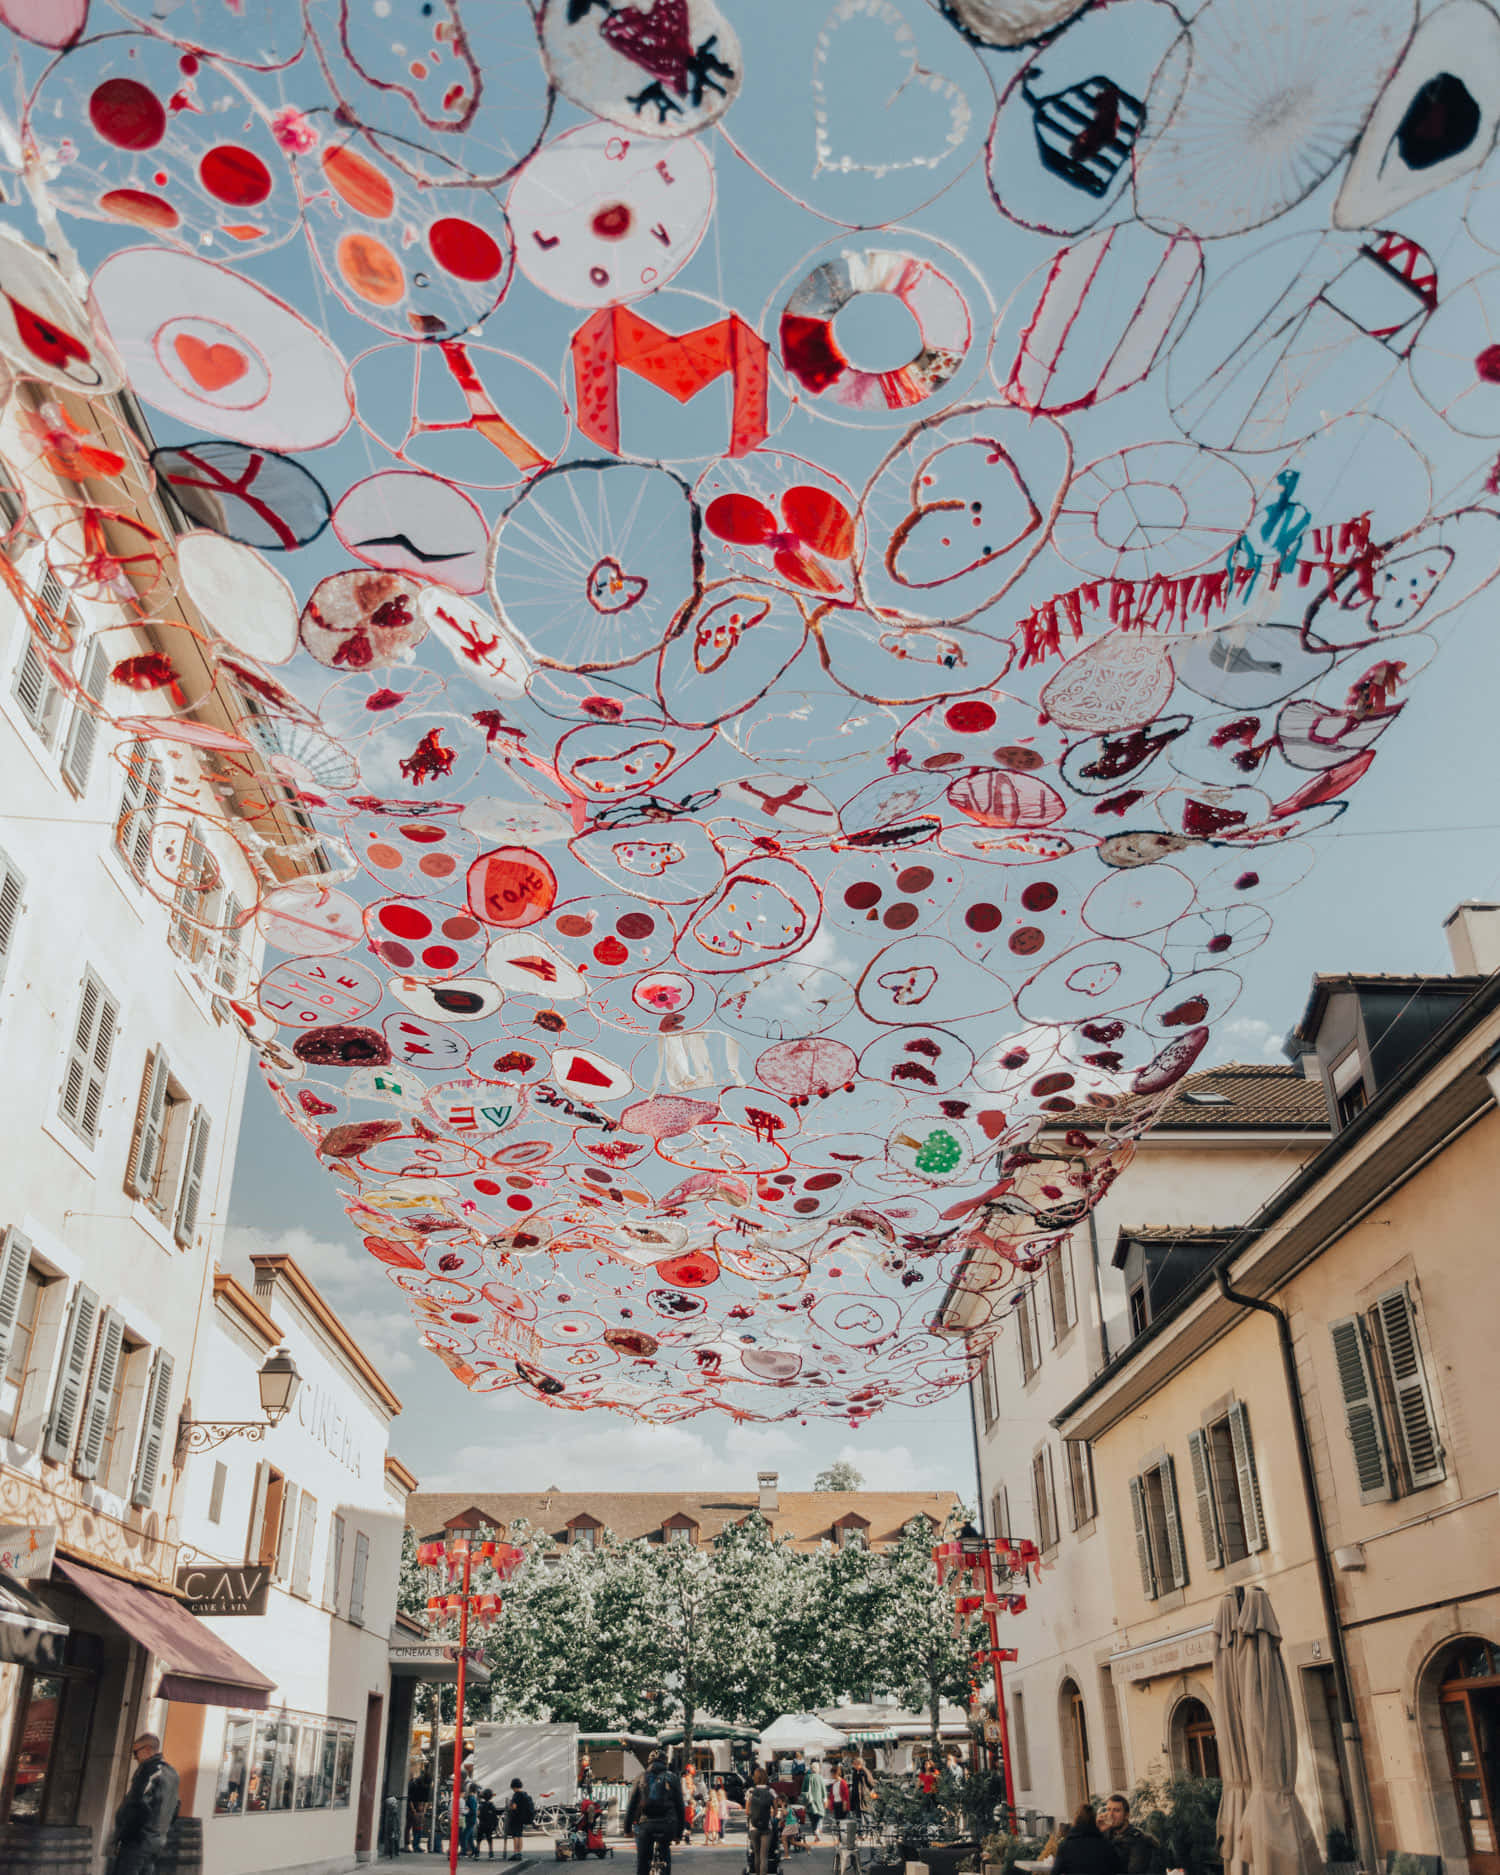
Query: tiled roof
point(807, 1517)
point(1252, 1094)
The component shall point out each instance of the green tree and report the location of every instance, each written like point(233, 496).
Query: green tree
point(926, 1649)
point(841, 1475)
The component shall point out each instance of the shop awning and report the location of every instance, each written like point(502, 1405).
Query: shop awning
point(30, 1635)
point(197, 1667)
point(871, 1738)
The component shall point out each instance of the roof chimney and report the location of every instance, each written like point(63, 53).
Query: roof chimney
point(769, 1499)
point(1473, 933)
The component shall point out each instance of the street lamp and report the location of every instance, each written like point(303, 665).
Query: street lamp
point(976, 1557)
point(456, 1556)
point(278, 1380)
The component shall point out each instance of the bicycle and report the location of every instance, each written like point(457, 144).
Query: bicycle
point(658, 1863)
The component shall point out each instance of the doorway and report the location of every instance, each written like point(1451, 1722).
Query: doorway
point(1078, 1779)
point(1469, 1704)
point(1196, 1745)
point(369, 1776)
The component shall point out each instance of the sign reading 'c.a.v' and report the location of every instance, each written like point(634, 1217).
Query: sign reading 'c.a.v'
point(221, 1589)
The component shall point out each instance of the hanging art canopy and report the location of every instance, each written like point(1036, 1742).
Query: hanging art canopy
point(816, 572)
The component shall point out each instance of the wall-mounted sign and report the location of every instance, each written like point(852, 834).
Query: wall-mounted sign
point(319, 1413)
point(224, 1589)
point(27, 1549)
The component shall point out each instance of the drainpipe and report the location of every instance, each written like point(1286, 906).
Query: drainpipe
point(1098, 1290)
point(1354, 1759)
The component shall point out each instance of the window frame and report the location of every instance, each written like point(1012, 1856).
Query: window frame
point(1044, 1499)
point(1157, 1514)
point(1062, 1296)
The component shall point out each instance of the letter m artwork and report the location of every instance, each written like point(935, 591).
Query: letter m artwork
point(616, 339)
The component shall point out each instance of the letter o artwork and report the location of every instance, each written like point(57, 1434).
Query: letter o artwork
point(511, 886)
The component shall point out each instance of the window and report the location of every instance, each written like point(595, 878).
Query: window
point(1028, 1341)
point(1388, 1404)
point(307, 1522)
point(1226, 1485)
point(39, 699)
point(140, 803)
point(21, 1286)
point(169, 1149)
point(1196, 1747)
point(83, 729)
point(12, 886)
point(195, 901)
point(1044, 1499)
point(231, 971)
point(286, 1535)
point(1060, 1293)
point(987, 1389)
point(357, 1580)
point(81, 1102)
point(1000, 1513)
point(216, 1491)
point(584, 1535)
point(680, 1530)
point(102, 1403)
point(1351, 1102)
point(1018, 1740)
point(1080, 1460)
point(335, 1561)
point(190, 1186)
point(1139, 1314)
point(853, 1535)
point(1158, 1529)
point(153, 1430)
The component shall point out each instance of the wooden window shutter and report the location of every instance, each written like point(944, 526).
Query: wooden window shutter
point(335, 1562)
point(1203, 1491)
point(231, 966)
point(1177, 1555)
point(12, 886)
point(357, 1579)
point(1416, 1421)
point(1251, 1507)
point(287, 1533)
point(72, 1374)
point(255, 1535)
point(144, 1163)
point(39, 698)
point(1143, 1538)
point(1054, 1528)
point(1372, 1463)
point(83, 731)
point(154, 1433)
point(139, 805)
point(99, 1410)
point(15, 1261)
point(307, 1523)
point(191, 1195)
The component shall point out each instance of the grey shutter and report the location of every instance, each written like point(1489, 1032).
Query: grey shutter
point(357, 1579)
point(307, 1521)
point(153, 1438)
point(1177, 1554)
point(83, 731)
point(103, 1388)
point(335, 1562)
point(72, 1373)
point(286, 1536)
point(1372, 1464)
point(231, 957)
point(1053, 1524)
point(190, 1197)
point(1251, 1508)
point(1416, 1422)
point(139, 805)
point(1143, 1538)
point(144, 1164)
point(12, 885)
point(1203, 1490)
point(35, 692)
point(15, 1260)
point(82, 1100)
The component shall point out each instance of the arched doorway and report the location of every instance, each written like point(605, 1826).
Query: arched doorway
point(1469, 1706)
point(1195, 1746)
point(1078, 1780)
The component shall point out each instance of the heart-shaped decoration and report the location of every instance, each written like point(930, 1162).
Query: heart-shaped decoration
point(611, 588)
point(211, 367)
point(900, 76)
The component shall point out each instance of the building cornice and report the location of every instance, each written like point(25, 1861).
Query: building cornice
point(231, 1294)
point(272, 1267)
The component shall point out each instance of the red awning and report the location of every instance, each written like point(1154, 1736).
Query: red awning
point(197, 1667)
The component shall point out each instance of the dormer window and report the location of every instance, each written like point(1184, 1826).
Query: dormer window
point(852, 1531)
point(1206, 1097)
point(583, 1532)
point(680, 1528)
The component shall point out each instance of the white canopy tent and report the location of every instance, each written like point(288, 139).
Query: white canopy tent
point(802, 1731)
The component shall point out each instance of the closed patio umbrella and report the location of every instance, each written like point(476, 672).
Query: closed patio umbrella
point(1229, 1731)
point(1274, 1836)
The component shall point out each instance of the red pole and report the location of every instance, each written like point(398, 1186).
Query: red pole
point(458, 1730)
point(993, 1622)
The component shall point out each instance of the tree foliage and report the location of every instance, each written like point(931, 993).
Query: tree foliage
point(841, 1475)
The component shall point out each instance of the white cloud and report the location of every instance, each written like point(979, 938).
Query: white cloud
point(1247, 1038)
point(350, 1282)
point(617, 1455)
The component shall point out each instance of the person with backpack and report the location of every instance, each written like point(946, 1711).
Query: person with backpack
point(760, 1817)
point(655, 1813)
point(489, 1822)
point(520, 1814)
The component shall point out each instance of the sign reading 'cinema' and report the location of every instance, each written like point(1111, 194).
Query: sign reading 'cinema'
point(217, 1589)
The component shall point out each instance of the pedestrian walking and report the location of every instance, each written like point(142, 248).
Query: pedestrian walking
point(655, 1813)
point(469, 1827)
point(760, 1815)
point(145, 1816)
point(815, 1798)
point(713, 1816)
point(520, 1814)
point(489, 1822)
point(1085, 1850)
point(418, 1802)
